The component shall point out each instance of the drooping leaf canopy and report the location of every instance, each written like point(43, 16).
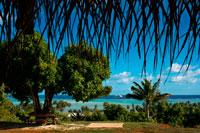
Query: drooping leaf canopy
point(116, 25)
point(82, 72)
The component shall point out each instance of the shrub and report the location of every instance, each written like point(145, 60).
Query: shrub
point(150, 119)
point(115, 111)
point(136, 116)
point(7, 108)
point(172, 114)
point(97, 116)
point(7, 111)
point(21, 115)
point(63, 117)
point(191, 116)
point(77, 115)
point(175, 115)
point(161, 112)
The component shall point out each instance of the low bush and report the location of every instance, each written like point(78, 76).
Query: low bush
point(22, 115)
point(136, 116)
point(115, 111)
point(7, 111)
point(97, 116)
point(178, 114)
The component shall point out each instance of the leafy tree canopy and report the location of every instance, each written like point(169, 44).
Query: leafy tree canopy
point(32, 69)
point(83, 71)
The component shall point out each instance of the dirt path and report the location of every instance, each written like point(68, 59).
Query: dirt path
point(60, 127)
point(105, 125)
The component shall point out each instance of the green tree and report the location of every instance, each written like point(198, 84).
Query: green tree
point(147, 93)
point(82, 72)
point(33, 69)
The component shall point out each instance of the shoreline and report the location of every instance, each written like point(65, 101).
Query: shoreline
point(115, 100)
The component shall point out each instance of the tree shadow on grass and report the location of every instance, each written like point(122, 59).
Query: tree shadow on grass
point(15, 125)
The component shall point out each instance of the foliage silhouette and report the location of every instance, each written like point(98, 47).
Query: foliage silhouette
point(99, 21)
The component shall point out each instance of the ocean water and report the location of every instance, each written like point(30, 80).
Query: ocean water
point(114, 99)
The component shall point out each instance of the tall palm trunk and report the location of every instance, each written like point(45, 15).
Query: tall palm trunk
point(147, 108)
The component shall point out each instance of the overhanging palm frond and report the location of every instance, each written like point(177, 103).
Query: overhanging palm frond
point(159, 97)
point(146, 86)
point(139, 90)
point(138, 85)
point(155, 86)
point(98, 22)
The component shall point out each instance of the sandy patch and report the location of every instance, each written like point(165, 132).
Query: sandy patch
point(46, 127)
point(62, 127)
point(105, 125)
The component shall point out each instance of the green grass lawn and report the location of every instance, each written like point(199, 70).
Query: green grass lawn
point(148, 127)
point(139, 127)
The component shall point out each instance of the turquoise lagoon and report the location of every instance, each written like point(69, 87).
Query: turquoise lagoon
point(115, 99)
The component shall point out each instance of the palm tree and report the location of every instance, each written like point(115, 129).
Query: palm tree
point(148, 93)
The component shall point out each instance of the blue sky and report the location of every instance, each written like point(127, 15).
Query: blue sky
point(127, 69)
point(124, 73)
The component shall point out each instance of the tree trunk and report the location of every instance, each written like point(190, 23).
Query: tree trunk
point(36, 101)
point(37, 106)
point(147, 108)
point(48, 100)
